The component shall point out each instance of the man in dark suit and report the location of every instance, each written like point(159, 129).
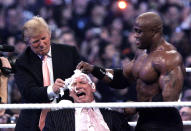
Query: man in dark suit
point(81, 90)
point(61, 60)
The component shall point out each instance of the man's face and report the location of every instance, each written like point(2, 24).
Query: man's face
point(82, 90)
point(40, 44)
point(143, 35)
point(185, 113)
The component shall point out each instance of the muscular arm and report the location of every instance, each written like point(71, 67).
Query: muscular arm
point(121, 78)
point(171, 84)
point(171, 77)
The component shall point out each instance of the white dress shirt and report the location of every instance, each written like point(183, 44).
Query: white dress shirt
point(50, 92)
point(81, 124)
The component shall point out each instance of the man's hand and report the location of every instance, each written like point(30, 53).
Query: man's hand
point(6, 67)
point(85, 67)
point(59, 83)
point(5, 62)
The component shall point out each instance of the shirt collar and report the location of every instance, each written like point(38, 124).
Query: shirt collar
point(49, 54)
point(79, 110)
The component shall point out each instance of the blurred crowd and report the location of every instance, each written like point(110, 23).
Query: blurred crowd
point(102, 33)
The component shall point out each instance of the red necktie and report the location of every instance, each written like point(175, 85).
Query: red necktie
point(46, 76)
point(46, 81)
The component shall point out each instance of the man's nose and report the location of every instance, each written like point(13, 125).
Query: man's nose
point(41, 43)
point(77, 87)
point(136, 35)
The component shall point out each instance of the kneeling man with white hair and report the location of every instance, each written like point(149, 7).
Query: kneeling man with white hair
point(84, 119)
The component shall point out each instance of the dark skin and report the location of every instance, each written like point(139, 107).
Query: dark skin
point(158, 68)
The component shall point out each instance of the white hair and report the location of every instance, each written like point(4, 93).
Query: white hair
point(77, 73)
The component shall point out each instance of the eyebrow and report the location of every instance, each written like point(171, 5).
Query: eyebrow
point(35, 41)
point(138, 30)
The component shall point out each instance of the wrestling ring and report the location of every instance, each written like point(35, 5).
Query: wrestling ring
point(97, 105)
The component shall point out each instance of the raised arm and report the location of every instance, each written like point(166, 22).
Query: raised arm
point(117, 78)
point(99, 72)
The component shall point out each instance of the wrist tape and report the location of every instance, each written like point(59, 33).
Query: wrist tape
point(98, 72)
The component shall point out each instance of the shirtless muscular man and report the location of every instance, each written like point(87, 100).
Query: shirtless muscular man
point(158, 72)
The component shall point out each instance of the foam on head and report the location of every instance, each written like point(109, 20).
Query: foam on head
point(78, 73)
point(71, 80)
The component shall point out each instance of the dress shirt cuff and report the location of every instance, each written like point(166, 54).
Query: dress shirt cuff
point(51, 94)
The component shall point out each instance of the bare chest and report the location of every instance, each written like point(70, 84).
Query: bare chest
point(143, 69)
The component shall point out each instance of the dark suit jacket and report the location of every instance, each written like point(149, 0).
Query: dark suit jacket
point(30, 80)
point(64, 120)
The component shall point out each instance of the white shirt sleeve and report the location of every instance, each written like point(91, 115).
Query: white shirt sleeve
point(51, 94)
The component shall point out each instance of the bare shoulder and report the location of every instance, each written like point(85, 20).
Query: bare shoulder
point(127, 67)
point(167, 58)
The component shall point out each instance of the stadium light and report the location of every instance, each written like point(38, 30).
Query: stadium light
point(122, 4)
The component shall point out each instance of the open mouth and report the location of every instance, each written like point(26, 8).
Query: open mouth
point(137, 41)
point(80, 94)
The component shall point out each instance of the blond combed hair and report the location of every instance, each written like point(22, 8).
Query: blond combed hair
point(34, 27)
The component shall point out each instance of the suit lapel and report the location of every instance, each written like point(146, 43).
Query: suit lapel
point(35, 64)
point(64, 120)
point(107, 117)
point(58, 62)
point(55, 61)
point(70, 119)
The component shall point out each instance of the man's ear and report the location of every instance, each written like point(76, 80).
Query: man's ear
point(50, 34)
point(153, 31)
point(93, 87)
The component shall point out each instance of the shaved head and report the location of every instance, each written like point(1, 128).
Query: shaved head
point(150, 20)
point(148, 29)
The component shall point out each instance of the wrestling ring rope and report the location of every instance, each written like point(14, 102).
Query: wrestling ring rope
point(130, 123)
point(96, 105)
point(188, 69)
point(100, 105)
